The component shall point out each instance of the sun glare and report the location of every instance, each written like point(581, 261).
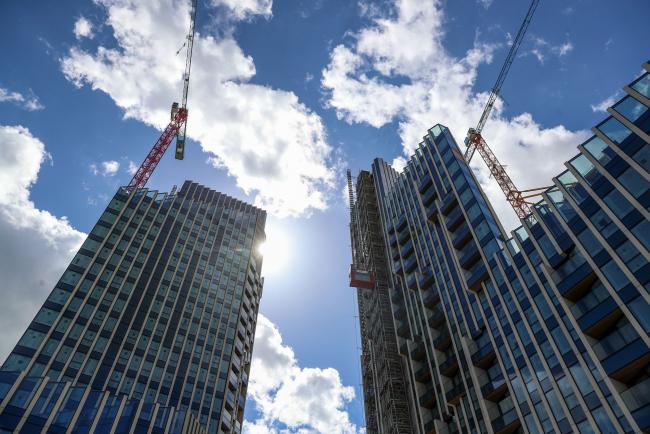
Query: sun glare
point(276, 251)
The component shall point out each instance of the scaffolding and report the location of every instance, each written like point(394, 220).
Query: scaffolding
point(385, 398)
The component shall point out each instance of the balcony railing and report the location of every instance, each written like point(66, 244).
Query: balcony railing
point(429, 196)
point(507, 423)
point(484, 356)
point(412, 281)
point(425, 184)
point(461, 236)
point(436, 317)
point(448, 203)
point(495, 389)
point(454, 219)
point(449, 366)
point(418, 352)
point(423, 374)
point(426, 279)
point(403, 330)
point(428, 399)
point(431, 298)
point(443, 341)
point(454, 394)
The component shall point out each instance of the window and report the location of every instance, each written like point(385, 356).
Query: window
point(630, 108)
point(31, 339)
point(615, 130)
point(642, 85)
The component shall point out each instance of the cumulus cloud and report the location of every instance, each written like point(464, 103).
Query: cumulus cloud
point(244, 9)
point(603, 105)
point(36, 245)
point(132, 168)
point(398, 69)
point(290, 398)
point(271, 143)
point(83, 28)
point(106, 168)
point(28, 102)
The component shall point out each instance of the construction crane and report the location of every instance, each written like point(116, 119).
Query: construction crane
point(177, 126)
point(519, 199)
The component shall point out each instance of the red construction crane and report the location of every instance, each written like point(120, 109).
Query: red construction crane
point(519, 199)
point(178, 124)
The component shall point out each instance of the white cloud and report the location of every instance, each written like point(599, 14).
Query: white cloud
point(564, 49)
point(132, 168)
point(29, 102)
point(542, 49)
point(272, 144)
point(36, 245)
point(83, 28)
point(106, 168)
point(603, 105)
point(435, 87)
point(244, 9)
point(485, 3)
point(290, 398)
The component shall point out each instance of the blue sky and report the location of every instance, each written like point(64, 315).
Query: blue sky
point(284, 96)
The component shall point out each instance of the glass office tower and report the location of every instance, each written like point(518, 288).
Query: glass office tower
point(545, 330)
point(151, 326)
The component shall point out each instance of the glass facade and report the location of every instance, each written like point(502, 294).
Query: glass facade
point(545, 330)
point(154, 318)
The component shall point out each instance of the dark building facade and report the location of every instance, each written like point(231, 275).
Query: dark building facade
point(546, 329)
point(386, 406)
point(151, 326)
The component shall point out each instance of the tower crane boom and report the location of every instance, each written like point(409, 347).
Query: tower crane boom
point(475, 142)
point(177, 125)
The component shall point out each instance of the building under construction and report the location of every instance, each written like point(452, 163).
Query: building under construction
point(386, 404)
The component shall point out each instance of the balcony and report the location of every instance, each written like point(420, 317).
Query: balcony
point(404, 348)
point(425, 184)
point(392, 240)
point(423, 375)
point(448, 203)
point(396, 298)
point(403, 330)
point(426, 279)
point(429, 196)
point(577, 283)
point(395, 255)
point(479, 276)
point(461, 237)
point(455, 393)
point(599, 320)
point(397, 266)
point(469, 256)
point(626, 363)
point(443, 341)
point(454, 219)
point(637, 400)
point(407, 249)
point(450, 366)
point(401, 223)
point(411, 264)
point(403, 237)
point(506, 424)
point(418, 352)
point(495, 389)
point(432, 213)
point(412, 281)
point(430, 427)
point(431, 298)
point(428, 399)
point(484, 356)
point(436, 317)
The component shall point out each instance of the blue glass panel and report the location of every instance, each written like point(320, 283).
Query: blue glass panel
point(25, 391)
point(88, 412)
point(7, 380)
point(126, 418)
point(108, 415)
point(47, 400)
point(630, 108)
point(642, 85)
point(67, 410)
point(616, 131)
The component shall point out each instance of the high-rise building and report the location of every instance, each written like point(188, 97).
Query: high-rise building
point(150, 329)
point(540, 331)
point(384, 392)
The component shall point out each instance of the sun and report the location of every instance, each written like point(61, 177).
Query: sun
point(276, 250)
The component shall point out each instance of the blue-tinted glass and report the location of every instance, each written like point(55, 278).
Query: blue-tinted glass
point(126, 418)
point(69, 407)
point(48, 399)
point(616, 131)
point(88, 412)
point(25, 391)
point(642, 85)
point(633, 182)
point(630, 108)
point(7, 380)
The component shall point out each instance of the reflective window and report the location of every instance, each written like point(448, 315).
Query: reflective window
point(616, 131)
point(48, 399)
point(31, 339)
point(630, 108)
point(636, 184)
point(67, 410)
point(23, 395)
point(642, 85)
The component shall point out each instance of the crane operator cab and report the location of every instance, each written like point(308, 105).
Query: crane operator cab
point(361, 278)
point(180, 137)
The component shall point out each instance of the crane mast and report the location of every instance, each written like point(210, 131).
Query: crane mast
point(177, 125)
point(519, 199)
